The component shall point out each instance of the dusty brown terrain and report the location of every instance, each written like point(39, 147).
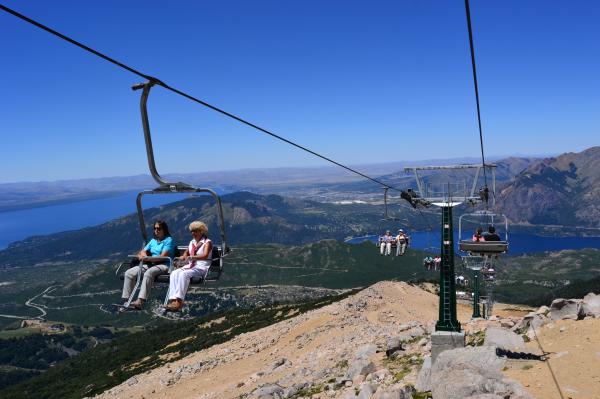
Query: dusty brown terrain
point(321, 343)
point(574, 358)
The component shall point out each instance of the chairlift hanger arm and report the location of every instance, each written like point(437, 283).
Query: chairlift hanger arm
point(145, 87)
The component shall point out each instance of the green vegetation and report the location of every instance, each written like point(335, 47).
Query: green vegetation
point(538, 279)
point(309, 391)
point(476, 339)
point(109, 364)
point(401, 366)
point(422, 395)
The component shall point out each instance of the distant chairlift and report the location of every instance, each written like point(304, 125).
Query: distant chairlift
point(391, 223)
point(219, 251)
point(483, 219)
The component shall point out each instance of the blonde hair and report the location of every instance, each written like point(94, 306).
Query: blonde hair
point(199, 226)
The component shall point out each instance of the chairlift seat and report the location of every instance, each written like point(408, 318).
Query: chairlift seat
point(214, 271)
point(483, 247)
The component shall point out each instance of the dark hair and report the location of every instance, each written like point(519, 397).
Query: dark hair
point(478, 231)
point(163, 226)
point(492, 229)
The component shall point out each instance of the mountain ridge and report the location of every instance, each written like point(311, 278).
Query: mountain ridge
point(562, 190)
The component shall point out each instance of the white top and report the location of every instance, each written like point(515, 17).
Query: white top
point(194, 248)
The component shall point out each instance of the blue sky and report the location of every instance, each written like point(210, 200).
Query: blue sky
point(360, 82)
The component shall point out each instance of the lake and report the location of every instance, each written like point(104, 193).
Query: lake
point(17, 225)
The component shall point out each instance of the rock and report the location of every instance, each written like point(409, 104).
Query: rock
point(359, 379)
point(543, 310)
point(507, 323)
point(366, 351)
point(360, 367)
point(470, 373)
point(132, 381)
point(562, 309)
point(348, 384)
point(503, 338)
point(367, 390)
point(531, 320)
point(382, 374)
point(422, 342)
point(294, 389)
point(424, 378)
point(591, 305)
point(278, 363)
point(405, 392)
point(269, 391)
point(393, 345)
point(349, 394)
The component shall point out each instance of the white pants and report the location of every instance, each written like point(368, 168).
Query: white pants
point(400, 248)
point(147, 279)
point(385, 247)
point(180, 281)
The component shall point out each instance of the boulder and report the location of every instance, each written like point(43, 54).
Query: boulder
point(402, 392)
point(503, 338)
point(393, 345)
point(424, 378)
point(367, 390)
point(591, 305)
point(365, 351)
point(269, 391)
point(360, 367)
point(470, 373)
point(531, 320)
point(562, 309)
point(543, 310)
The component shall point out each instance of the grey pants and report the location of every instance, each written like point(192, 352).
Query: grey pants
point(400, 248)
point(147, 279)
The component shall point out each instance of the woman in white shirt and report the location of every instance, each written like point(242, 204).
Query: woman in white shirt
point(198, 256)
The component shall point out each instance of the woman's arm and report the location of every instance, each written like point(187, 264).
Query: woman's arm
point(185, 254)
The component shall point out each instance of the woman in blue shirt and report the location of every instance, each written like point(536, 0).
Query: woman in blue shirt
point(161, 245)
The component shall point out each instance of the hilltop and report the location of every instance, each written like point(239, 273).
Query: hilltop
point(347, 348)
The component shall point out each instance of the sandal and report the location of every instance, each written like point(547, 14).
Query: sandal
point(174, 306)
point(137, 305)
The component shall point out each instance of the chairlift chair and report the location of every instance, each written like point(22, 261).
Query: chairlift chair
point(219, 251)
point(483, 248)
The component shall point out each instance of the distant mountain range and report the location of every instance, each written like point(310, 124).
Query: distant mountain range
point(563, 190)
point(317, 183)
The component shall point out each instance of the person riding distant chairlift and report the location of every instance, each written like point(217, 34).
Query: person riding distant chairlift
point(437, 261)
point(161, 245)
point(385, 243)
point(478, 236)
point(428, 262)
point(401, 243)
point(491, 234)
point(198, 256)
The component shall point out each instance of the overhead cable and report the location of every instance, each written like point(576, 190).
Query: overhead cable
point(468, 11)
point(188, 96)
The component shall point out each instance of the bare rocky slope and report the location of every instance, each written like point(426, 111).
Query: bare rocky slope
point(563, 190)
point(376, 344)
